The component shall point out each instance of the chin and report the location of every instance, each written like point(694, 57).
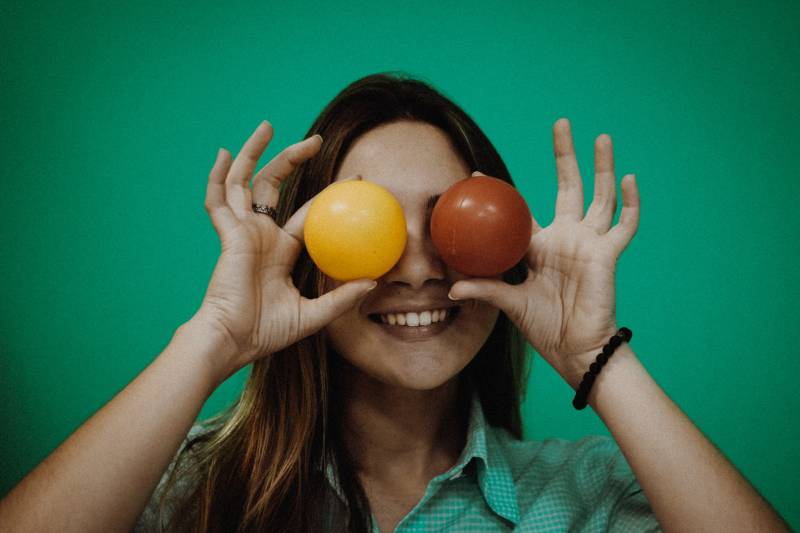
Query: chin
point(419, 372)
point(418, 367)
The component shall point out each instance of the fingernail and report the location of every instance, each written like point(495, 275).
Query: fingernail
point(318, 135)
point(450, 295)
point(374, 284)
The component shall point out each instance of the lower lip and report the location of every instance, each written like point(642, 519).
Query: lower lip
point(417, 333)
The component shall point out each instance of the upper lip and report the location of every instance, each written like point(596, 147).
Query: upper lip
point(412, 307)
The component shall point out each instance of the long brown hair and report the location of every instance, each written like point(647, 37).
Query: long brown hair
point(260, 465)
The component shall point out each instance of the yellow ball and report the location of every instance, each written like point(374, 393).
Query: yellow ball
point(355, 229)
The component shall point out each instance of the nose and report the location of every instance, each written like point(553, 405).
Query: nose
point(419, 263)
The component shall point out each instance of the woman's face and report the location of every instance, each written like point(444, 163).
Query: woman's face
point(414, 161)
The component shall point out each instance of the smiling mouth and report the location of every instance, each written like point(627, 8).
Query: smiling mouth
point(452, 314)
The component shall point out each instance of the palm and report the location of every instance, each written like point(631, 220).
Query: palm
point(569, 303)
point(255, 266)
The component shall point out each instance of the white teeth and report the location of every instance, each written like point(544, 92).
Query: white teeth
point(424, 318)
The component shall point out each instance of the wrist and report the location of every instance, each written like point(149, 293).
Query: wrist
point(617, 368)
point(579, 364)
point(207, 346)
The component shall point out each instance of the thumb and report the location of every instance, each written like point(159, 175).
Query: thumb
point(319, 312)
point(502, 295)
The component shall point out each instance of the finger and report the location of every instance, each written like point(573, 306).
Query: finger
point(569, 201)
point(536, 226)
point(604, 203)
point(504, 296)
point(318, 312)
point(222, 218)
point(294, 226)
point(623, 232)
point(267, 182)
point(237, 183)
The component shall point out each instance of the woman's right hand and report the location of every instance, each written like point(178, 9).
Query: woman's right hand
point(251, 301)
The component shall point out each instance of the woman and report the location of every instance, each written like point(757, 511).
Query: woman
point(354, 417)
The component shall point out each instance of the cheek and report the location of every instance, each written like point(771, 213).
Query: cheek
point(344, 332)
point(475, 326)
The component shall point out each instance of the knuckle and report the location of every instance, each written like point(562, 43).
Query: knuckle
point(273, 179)
point(293, 155)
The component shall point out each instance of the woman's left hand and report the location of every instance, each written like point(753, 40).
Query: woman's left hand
point(566, 306)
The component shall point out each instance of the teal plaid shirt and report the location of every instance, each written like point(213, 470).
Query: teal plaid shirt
point(502, 484)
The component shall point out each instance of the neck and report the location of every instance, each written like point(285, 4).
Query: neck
point(397, 433)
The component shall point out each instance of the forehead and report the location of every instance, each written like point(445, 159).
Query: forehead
point(413, 160)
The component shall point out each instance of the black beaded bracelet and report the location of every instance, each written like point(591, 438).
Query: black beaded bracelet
point(623, 335)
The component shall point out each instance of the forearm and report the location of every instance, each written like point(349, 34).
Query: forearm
point(689, 483)
point(102, 476)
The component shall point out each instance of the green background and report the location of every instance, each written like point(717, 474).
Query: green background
point(111, 119)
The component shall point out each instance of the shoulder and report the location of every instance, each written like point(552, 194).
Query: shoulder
point(584, 481)
point(150, 520)
point(557, 456)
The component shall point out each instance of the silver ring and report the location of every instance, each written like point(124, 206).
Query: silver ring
point(265, 209)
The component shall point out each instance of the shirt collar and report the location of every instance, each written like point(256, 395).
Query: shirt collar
point(494, 474)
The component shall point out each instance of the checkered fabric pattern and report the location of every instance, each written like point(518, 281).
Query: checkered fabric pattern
point(500, 483)
point(503, 484)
